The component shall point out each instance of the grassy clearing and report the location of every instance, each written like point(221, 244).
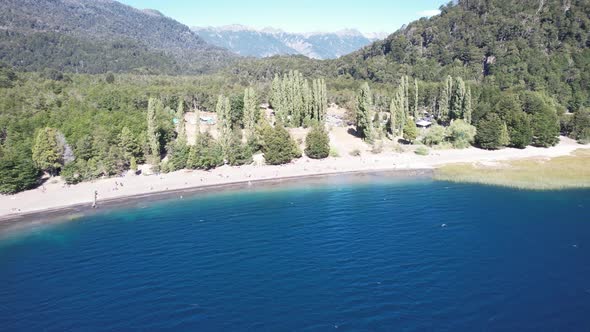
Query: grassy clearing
point(536, 174)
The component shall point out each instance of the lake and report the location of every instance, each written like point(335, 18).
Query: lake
point(375, 255)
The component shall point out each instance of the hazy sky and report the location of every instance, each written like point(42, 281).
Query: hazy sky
point(295, 15)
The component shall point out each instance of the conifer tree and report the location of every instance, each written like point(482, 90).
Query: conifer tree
point(128, 143)
point(317, 142)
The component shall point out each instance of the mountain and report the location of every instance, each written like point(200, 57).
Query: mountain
point(512, 45)
point(269, 42)
point(97, 36)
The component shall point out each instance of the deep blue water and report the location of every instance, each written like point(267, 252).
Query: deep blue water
point(339, 256)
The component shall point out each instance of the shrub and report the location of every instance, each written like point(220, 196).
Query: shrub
point(262, 131)
point(410, 131)
point(461, 134)
point(110, 78)
point(434, 136)
point(377, 147)
point(398, 148)
point(422, 151)
point(178, 156)
point(239, 153)
point(279, 148)
point(584, 137)
point(317, 143)
point(71, 174)
point(133, 164)
point(334, 153)
point(205, 154)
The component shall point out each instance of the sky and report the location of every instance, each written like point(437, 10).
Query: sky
point(367, 16)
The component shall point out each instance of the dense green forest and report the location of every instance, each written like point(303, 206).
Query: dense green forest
point(92, 36)
point(493, 73)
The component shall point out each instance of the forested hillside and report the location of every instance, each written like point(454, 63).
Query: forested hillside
point(540, 45)
point(493, 74)
point(95, 36)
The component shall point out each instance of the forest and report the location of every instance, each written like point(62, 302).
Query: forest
point(491, 74)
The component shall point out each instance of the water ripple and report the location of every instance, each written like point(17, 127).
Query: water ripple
point(338, 257)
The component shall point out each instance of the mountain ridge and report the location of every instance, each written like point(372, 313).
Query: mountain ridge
point(268, 41)
point(104, 26)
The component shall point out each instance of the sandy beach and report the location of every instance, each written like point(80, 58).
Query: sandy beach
point(55, 194)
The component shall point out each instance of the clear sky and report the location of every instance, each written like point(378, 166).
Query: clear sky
point(295, 15)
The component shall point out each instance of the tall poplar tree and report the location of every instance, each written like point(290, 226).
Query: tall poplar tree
point(445, 100)
point(275, 93)
point(416, 115)
point(393, 110)
point(364, 113)
point(400, 114)
point(467, 106)
point(323, 100)
point(308, 102)
point(181, 124)
point(153, 134)
point(457, 99)
point(297, 103)
point(223, 111)
point(405, 84)
point(197, 112)
point(251, 112)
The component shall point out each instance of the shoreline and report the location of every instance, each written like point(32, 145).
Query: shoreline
point(57, 199)
point(62, 214)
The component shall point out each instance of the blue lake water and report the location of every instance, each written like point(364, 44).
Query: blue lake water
point(341, 256)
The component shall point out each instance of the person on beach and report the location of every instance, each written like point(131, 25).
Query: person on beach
point(94, 206)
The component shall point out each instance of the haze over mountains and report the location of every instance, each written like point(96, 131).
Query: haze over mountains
point(267, 42)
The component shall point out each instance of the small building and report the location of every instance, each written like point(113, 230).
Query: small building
point(423, 123)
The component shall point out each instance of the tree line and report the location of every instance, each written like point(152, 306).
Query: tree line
point(111, 123)
point(295, 102)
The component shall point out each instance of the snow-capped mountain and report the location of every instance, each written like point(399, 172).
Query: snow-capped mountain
point(267, 42)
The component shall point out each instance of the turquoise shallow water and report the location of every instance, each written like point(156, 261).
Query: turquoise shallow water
point(376, 256)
